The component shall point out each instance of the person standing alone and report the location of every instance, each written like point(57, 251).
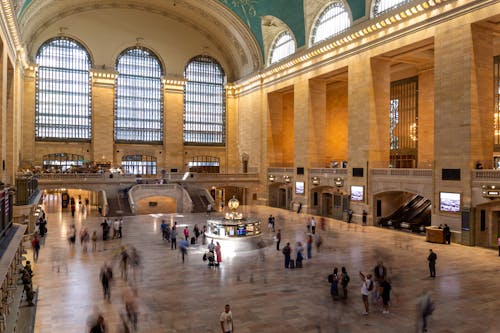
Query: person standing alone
point(278, 240)
point(226, 320)
point(432, 263)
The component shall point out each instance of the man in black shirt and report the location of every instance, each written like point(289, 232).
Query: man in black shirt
point(432, 263)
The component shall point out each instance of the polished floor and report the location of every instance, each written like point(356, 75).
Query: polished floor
point(188, 297)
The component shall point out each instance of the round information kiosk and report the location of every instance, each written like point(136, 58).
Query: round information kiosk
point(233, 230)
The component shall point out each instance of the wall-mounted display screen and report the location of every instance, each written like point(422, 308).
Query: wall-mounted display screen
point(299, 187)
point(357, 193)
point(449, 202)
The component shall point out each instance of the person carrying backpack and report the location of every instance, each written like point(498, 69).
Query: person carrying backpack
point(366, 289)
point(344, 281)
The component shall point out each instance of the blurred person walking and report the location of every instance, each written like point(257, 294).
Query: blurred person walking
point(106, 276)
point(425, 308)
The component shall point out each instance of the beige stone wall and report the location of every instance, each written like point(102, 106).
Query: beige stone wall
point(280, 129)
point(172, 157)
point(481, 96)
point(102, 124)
point(426, 119)
point(336, 122)
point(317, 120)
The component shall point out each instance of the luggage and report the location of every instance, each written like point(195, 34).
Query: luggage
point(292, 264)
point(193, 240)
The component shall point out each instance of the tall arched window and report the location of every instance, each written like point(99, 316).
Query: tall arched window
point(204, 102)
point(139, 164)
point(139, 97)
point(333, 20)
point(382, 6)
point(283, 46)
point(63, 92)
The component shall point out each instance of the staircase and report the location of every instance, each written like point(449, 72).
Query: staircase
point(199, 198)
point(119, 207)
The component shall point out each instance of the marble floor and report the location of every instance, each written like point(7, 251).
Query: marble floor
point(186, 297)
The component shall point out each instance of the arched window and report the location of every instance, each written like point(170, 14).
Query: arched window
point(62, 162)
point(382, 6)
point(139, 97)
point(139, 164)
point(333, 20)
point(63, 92)
point(283, 46)
point(204, 102)
point(204, 164)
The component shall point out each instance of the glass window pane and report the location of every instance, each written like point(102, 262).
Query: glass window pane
point(63, 92)
point(139, 164)
point(204, 102)
point(383, 6)
point(139, 98)
point(333, 20)
point(403, 123)
point(283, 46)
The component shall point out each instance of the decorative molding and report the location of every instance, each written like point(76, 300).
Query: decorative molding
point(29, 71)
point(104, 77)
point(9, 25)
point(174, 84)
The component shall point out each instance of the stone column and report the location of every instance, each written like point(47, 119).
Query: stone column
point(232, 163)
point(28, 117)
point(482, 96)
point(453, 112)
point(369, 102)
point(173, 119)
point(425, 118)
point(317, 124)
point(103, 85)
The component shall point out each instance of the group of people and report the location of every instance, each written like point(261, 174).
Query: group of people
point(376, 288)
point(214, 254)
point(299, 257)
point(116, 226)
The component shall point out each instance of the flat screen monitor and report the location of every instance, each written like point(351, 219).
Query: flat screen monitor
point(357, 193)
point(449, 202)
point(299, 187)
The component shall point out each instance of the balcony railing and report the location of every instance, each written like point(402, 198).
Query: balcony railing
point(396, 172)
point(328, 171)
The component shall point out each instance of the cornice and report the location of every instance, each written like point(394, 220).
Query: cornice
point(105, 78)
point(8, 24)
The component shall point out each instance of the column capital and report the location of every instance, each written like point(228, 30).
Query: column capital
point(29, 71)
point(103, 77)
point(174, 84)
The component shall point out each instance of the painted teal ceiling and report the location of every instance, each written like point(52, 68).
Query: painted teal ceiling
point(289, 11)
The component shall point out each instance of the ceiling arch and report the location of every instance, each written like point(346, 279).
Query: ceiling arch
point(227, 37)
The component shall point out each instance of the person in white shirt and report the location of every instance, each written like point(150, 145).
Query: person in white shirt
point(366, 289)
point(313, 225)
point(226, 320)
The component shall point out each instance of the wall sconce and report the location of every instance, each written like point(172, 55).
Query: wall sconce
point(287, 179)
point(339, 182)
point(315, 180)
point(271, 178)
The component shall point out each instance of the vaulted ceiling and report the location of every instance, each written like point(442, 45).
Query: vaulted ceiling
point(216, 29)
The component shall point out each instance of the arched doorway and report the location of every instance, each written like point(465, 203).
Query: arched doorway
point(280, 195)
